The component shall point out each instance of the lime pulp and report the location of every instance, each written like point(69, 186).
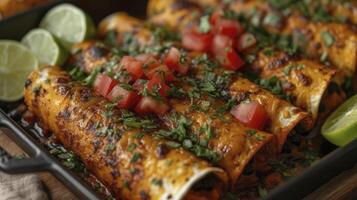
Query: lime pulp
point(340, 128)
point(44, 46)
point(69, 24)
point(16, 63)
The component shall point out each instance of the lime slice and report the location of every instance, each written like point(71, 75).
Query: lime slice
point(340, 127)
point(69, 24)
point(44, 46)
point(16, 63)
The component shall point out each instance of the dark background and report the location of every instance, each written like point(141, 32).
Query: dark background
point(17, 26)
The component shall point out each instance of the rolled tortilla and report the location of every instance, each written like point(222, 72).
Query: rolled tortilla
point(131, 166)
point(306, 81)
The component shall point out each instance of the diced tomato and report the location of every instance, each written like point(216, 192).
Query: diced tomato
point(245, 41)
point(222, 48)
point(230, 60)
point(126, 60)
point(143, 57)
point(197, 41)
point(215, 17)
point(161, 72)
point(133, 67)
point(172, 60)
point(103, 84)
point(125, 99)
point(160, 86)
point(220, 44)
point(251, 114)
point(183, 68)
point(228, 27)
point(149, 105)
point(149, 61)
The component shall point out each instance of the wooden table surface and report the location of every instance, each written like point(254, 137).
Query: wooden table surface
point(342, 187)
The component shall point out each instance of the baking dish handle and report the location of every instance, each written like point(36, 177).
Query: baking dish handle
point(12, 165)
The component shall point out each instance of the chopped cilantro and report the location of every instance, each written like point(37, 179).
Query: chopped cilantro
point(154, 92)
point(272, 19)
point(138, 135)
point(204, 60)
point(176, 92)
point(89, 80)
point(268, 52)
point(132, 147)
point(127, 86)
point(162, 33)
point(226, 107)
point(131, 121)
point(136, 157)
point(323, 56)
point(182, 135)
point(183, 57)
point(207, 130)
point(187, 143)
point(77, 73)
point(327, 38)
point(274, 85)
point(251, 132)
point(205, 25)
point(173, 144)
point(69, 159)
point(157, 182)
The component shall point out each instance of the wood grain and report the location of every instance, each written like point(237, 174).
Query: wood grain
point(342, 187)
point(56, 190)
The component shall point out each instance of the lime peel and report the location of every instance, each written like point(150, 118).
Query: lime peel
point(340, 128)
point(44, 46)
point(16, 63)
point(69, 24)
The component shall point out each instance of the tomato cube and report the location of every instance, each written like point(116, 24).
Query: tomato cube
point(251, 114)
point(103, 84)
point(133, 67)
point(228, 27)
point(125, 99)
point(197, 41)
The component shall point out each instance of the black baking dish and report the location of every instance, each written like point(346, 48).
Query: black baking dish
point(15, 27)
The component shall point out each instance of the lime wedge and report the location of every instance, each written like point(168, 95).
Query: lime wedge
point(69, 24)
point(44, 46)
point(16, 63)
point(340, 127)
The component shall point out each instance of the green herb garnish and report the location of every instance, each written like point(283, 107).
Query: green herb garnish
point(327, 38)
point(205, 25)
point(136, 157)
